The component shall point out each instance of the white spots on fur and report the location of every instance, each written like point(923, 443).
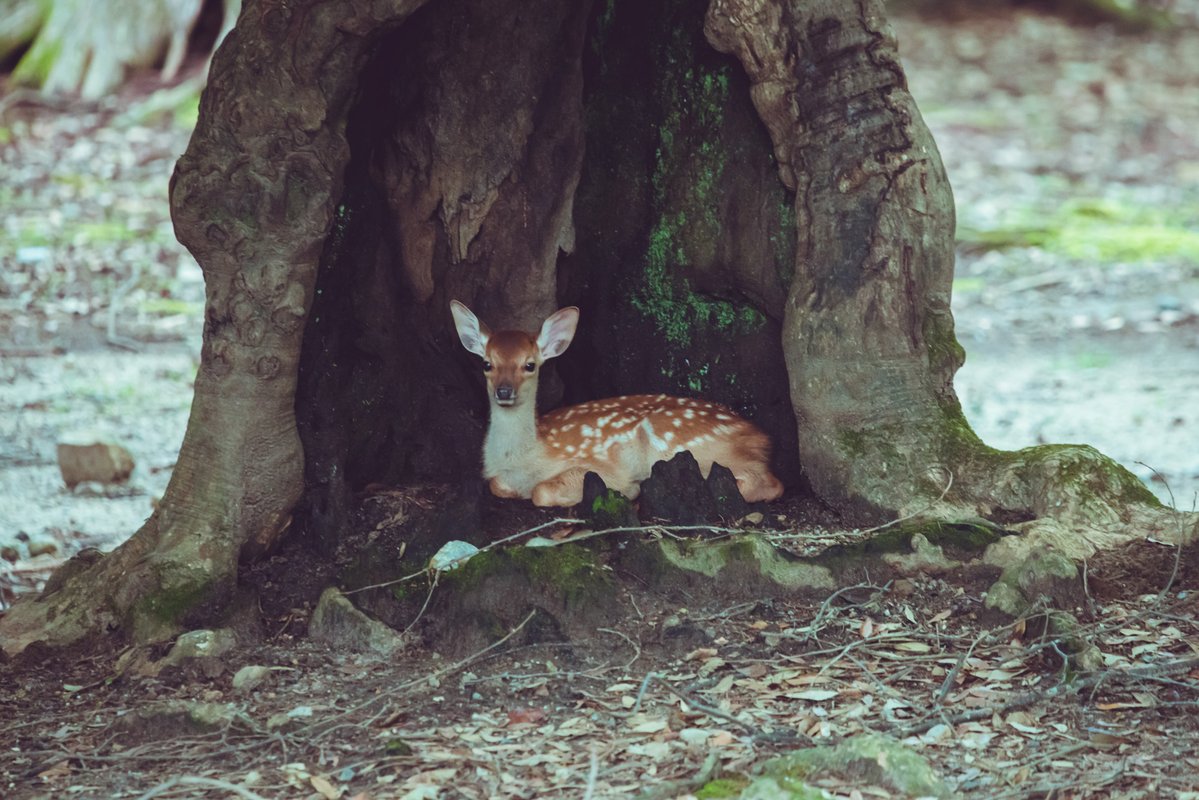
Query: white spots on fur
point(689, 414)
point(678, 423)
point(588, 432)
point(723, 417)
point(570, 448)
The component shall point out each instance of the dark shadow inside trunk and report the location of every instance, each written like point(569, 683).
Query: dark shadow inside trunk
point(520, 156)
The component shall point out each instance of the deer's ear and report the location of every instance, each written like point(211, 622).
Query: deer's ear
point(472, 333)
point(557, 332)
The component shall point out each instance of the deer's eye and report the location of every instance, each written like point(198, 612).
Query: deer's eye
point(530, 367)
point(487, 366)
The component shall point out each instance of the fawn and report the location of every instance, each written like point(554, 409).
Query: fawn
point(620, 438)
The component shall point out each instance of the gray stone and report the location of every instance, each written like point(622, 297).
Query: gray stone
point(171, 719)
point(1047, 576)
point(865, 759)
point(250, 677)
point(83, 457)
point(338, 623)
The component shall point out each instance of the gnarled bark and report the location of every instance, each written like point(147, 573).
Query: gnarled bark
point(868, 333)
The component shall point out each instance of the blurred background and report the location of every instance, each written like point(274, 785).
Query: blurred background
point(1069, 129)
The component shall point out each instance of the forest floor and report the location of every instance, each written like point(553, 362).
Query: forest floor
point(1075, 164)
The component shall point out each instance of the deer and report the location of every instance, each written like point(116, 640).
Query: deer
point(620, 438)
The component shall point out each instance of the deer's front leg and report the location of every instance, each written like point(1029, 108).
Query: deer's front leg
point(499, 489)
point(564, 489)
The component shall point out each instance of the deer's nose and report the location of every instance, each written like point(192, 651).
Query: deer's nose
point(504, 392)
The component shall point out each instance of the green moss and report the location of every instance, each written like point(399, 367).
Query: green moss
point(397, 747)
point(852, 443)
point(612, 510)
point(161, 613)
point(1097, 230)
point(966, 537)
point(1095, 476)
point(686, 181)
point(570, 568)
point(866, 758)
point(967, 285)
point(784, 239)
point(730, 786)
point(603, 27)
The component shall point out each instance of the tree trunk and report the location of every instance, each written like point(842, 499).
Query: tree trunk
point(742, 199)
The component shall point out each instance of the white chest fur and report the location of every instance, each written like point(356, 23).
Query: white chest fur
point(512, 453)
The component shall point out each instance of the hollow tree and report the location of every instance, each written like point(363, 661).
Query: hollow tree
point(740, 195)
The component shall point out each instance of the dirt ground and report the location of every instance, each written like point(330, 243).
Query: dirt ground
point(1075, 164)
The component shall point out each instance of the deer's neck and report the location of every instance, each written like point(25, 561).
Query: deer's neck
point(512, 451)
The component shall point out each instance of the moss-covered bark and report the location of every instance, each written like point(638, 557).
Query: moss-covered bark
point(253, 198)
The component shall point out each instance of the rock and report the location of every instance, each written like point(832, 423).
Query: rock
point(1048, 576)
point(605, 508)
point(83, 457)
point(42, 548)
point(199, 650)
point(926, 558)
point(297, 718)
point(250, 677)
point(202, 644)
point(173, 719)
point(338, 623)
point(867, 759)
point(675, 492)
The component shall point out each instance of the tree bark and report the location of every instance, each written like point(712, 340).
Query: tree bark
point(868, 334)
point(253, 198)
point(768, 225)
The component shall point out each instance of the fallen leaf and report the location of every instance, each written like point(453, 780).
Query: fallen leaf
point(645, 724)
point(60, 770)
point(723, 686)
point(655, 750)
point(754, 671)
point(525, 716)
point(815, 695)
point(326, 789)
